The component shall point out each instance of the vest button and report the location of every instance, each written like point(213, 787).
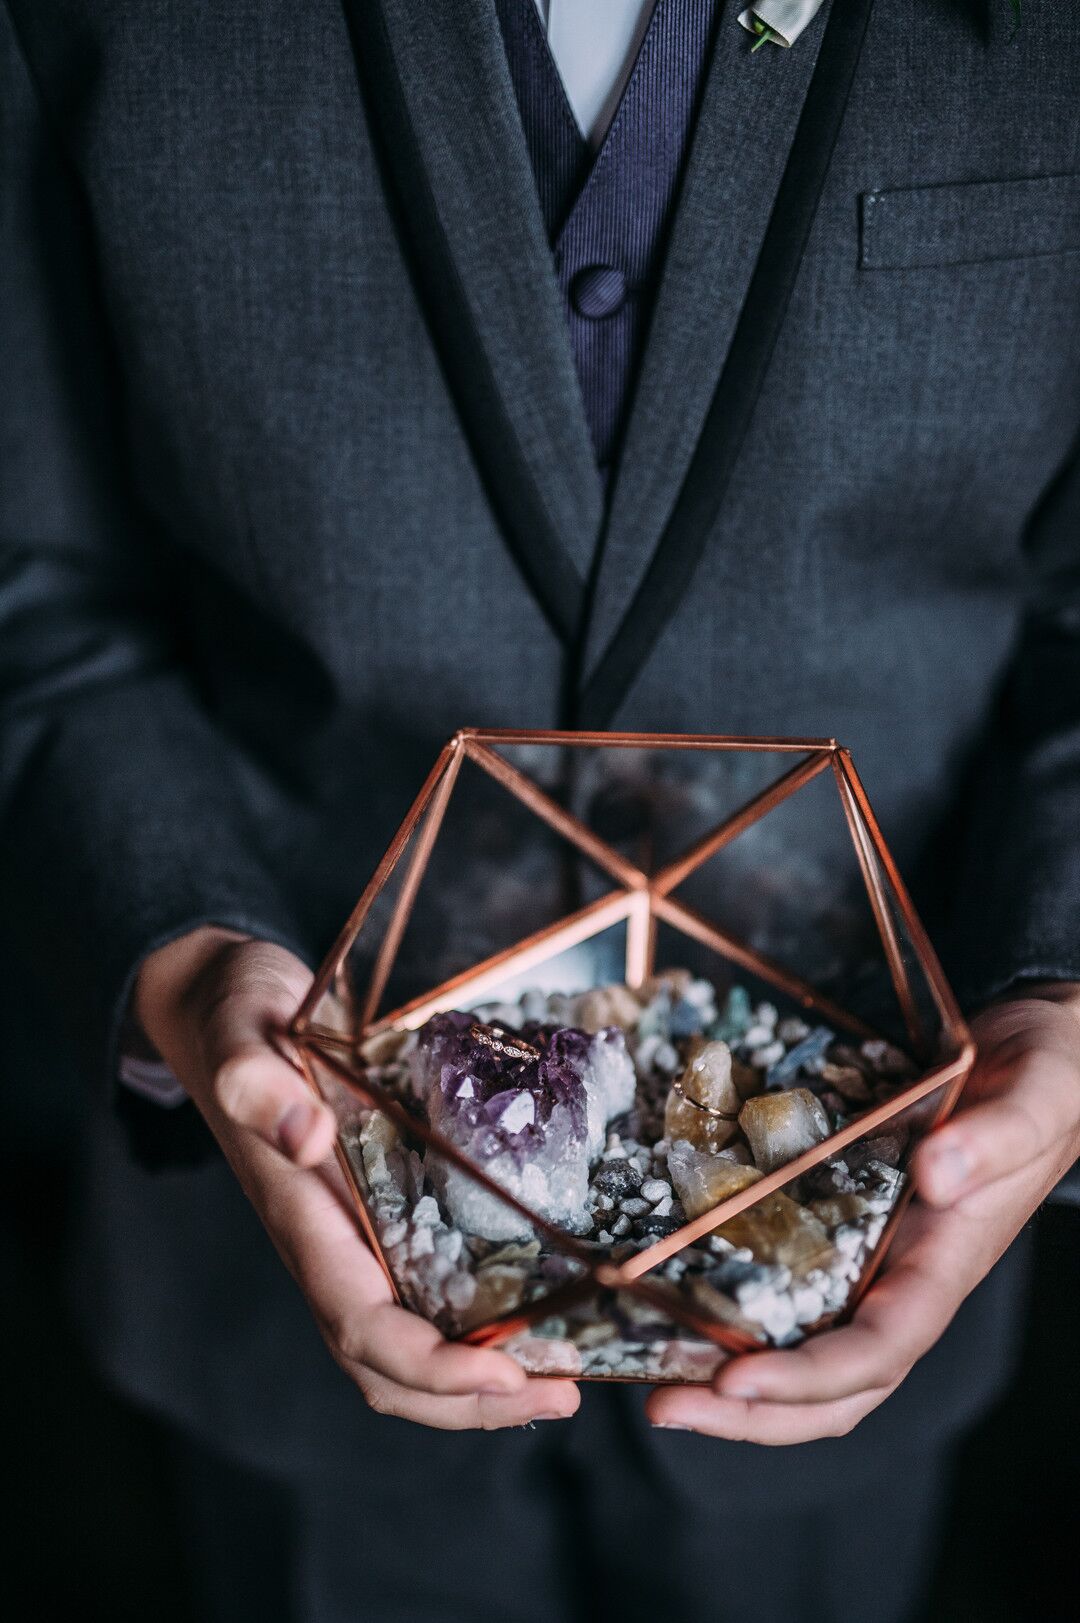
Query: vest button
point(598, 291)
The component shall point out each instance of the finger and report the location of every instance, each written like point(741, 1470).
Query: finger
point(688, 1408)
point(1035, 1116)
point(255, 1088)
point(537, 1400)
point(901, 1318)
point(253, 1084)
point(401, 1347)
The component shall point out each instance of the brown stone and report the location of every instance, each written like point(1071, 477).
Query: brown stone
point(704, 1089)
point(702, 1180)
point(777, 1229)
point(607, 1006)
point(781, 1126)
point(839, 1209)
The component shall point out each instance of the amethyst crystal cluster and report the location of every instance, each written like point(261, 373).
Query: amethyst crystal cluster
point(530, 1106)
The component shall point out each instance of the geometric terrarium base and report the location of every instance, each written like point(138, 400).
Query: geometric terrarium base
point(627, 1137)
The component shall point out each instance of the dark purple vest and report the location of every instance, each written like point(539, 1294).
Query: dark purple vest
point(607, 217)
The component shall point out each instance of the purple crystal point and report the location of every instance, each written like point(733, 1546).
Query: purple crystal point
point(529, 1106)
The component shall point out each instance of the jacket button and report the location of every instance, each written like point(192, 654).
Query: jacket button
point(598, 291)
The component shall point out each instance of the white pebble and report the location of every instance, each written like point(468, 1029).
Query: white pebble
point(666, 1059)
point(663, 1207)
point(792, 1030)
point(767, 1055)
point(757, 1035)
point(654, 1189)
point(460, 1289)
point(767, 1014)
point(634, 1206)
point(604, 1237)
point(426, 1212)
point(422, 1244)
point(620, 1226)
point(394, 1233)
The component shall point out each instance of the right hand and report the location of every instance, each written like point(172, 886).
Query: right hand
point(210, 1003)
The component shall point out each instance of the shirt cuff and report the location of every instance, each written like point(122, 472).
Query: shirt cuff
point(152, 1079)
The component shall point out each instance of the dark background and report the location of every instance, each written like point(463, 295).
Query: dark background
point(93, 1534)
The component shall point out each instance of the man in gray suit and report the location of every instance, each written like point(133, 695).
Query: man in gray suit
point(359, 384)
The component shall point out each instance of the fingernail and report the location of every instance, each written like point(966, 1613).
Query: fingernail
point(295, 1125)
point(670, 1425)
point(747, 1392)
point(950, 1169)
point(550, 1416)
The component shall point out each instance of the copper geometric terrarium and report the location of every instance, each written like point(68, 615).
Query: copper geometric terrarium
point(660, 1105)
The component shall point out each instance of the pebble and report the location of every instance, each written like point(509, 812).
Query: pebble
point(426, 1212)
point(666, 1058)
point(620, 1226)
point(756, 1036)
point(395, 1232)
point(634, 1206)
point(422, 1243)
point(663, 1207)
point(767, 1055)
point(654, 1189)
point(460, 1289)
point(792, 1030)
point(767, 1014)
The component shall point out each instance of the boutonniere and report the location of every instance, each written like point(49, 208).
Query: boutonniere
point(780, 22)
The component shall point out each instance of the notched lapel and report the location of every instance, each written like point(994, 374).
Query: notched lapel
point(746, 121)
point(436, 82)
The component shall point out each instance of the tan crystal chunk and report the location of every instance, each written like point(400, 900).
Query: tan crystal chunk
point(837, 1209)
point(499, 1289)
point(777, 1229)
point(607, 1006)
point(702, 1180)
point(781, 1126)
point(703, 1106)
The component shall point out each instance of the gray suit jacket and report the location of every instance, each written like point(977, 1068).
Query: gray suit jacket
point(296, 480)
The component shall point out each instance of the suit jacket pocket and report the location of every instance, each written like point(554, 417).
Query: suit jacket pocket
point(922, 226)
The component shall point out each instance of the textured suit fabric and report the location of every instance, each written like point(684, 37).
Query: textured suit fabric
point(264, 547)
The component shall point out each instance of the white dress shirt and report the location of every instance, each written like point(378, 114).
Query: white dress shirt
point(595, 45)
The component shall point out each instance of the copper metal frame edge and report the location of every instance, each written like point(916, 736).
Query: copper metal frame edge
point(940, 989)
point(367, 1226)
point(879, 905)
point(694, 741)
point(680, 868)
point(421, 855)
point(327, 971)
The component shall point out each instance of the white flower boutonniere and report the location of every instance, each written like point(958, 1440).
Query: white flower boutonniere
point(779, 22)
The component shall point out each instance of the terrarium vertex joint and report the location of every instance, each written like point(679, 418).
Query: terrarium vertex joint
point(612, 1124)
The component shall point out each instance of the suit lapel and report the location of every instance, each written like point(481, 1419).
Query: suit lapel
point(764, 137)
point(433, 74)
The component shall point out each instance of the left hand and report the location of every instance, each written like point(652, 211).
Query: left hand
point(978, 1180)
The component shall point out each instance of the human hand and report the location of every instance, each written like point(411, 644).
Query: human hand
point(978, 1179)
point(211, 1004)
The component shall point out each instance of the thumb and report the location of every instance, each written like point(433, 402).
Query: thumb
point(1032, 1115)
point(254, 1081)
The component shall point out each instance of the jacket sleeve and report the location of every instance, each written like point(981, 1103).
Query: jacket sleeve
point(1018, 905)
point(122, 809)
